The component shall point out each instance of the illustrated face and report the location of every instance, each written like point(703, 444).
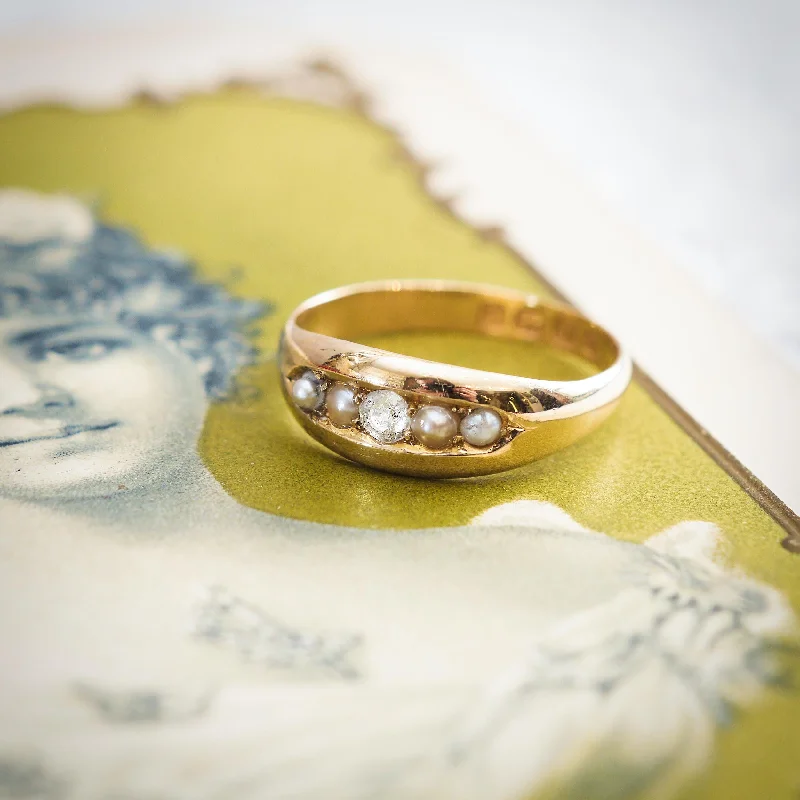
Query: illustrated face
point(88, 407)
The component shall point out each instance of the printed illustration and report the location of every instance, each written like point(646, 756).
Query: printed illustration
point(163, 640)
point(112, 350)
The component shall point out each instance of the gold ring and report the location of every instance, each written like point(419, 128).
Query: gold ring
point(412, 416)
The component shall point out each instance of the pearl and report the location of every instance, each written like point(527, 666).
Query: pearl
point(481, 427)
point(307, 391)
point(341, 405)
point(384, 416)
point(434, 426)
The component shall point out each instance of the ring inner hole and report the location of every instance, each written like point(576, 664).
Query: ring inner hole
point(463, 329)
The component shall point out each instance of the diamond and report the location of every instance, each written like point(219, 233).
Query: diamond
point(385, 416)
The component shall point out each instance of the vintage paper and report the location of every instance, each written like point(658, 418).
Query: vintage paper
point(199, 602)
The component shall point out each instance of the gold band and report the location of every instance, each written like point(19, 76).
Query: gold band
point(374, 406)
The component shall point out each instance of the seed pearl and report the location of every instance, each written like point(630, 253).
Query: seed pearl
point(434, 426)
point(341, 405)
point(307, 391)
point(481, 427)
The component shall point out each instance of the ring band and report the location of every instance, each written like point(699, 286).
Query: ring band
point(417, 417)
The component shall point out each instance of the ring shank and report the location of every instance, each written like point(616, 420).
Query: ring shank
point(490, 312)
point(324, 333)
point(325, 336)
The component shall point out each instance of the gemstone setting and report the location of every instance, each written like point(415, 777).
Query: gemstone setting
point(307, 391)
point(341, 405)
point(434, 427)
point(481, 427)
point(384, 416)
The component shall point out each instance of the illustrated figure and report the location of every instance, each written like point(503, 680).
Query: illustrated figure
point(160, 639)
